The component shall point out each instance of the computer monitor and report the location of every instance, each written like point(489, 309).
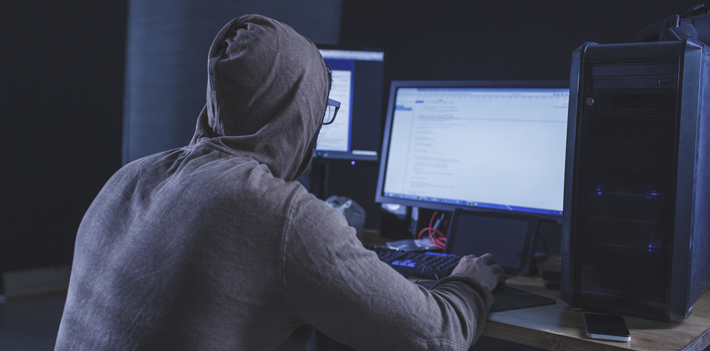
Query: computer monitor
point(358, 79)
point(479, 145)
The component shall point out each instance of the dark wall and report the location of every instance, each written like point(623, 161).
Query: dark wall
point(61, 87)
point(481, 40)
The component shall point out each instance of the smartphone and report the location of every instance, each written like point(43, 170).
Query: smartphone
point(551, 279)
point(606, 327)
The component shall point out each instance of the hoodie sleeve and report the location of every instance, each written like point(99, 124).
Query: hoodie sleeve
point(342, 289)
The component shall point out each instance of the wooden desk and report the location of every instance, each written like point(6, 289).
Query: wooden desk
point(560, 327)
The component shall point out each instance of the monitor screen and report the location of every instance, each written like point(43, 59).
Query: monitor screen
point(358, 78)
point(486, 145)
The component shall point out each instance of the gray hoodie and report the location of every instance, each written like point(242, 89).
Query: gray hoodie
point(213, 246)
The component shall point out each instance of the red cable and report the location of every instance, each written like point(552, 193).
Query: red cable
point(436, 237)
point(437, 232)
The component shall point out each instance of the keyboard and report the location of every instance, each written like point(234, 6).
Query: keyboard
point(428, 265)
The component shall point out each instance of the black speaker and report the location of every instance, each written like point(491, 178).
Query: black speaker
point(636, 228)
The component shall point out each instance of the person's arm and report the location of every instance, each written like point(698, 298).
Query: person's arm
point(343, 290)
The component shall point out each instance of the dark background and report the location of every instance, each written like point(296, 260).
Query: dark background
point(61, 93)
point(63, 67)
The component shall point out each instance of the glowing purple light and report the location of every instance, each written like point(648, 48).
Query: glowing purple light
point(651, 194)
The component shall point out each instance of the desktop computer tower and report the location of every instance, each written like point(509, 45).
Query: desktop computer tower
point(636, 227)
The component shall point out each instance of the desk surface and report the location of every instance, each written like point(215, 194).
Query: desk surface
point(560, 327)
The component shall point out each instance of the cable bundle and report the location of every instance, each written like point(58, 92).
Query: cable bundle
point(436, 236)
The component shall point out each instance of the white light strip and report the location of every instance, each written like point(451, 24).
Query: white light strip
point(365, 152)
point(352, 55)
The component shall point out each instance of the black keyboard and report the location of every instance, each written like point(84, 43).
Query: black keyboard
point(429, 265)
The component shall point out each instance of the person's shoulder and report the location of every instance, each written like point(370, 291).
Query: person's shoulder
point(138, 170)
point(308, 208)
point(248, 180)
point(153, 161)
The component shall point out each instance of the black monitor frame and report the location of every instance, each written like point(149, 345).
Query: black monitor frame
point(380, 198)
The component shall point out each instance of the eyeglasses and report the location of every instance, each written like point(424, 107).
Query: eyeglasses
point(331, 110)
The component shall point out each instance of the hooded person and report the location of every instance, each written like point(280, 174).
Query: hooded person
point(213, 247)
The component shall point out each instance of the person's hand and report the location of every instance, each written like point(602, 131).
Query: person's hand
point(483, 268)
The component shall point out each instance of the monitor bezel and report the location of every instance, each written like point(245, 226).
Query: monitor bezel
point(380, 198)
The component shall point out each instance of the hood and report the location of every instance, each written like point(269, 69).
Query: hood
point(266, 94)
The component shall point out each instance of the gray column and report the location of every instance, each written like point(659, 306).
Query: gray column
point(166, 60)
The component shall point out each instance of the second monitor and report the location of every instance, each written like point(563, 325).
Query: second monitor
point(480, 145)
point(358, 78)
